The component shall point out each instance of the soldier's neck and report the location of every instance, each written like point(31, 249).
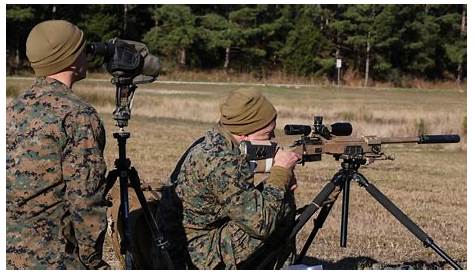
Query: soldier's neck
point(66, 77)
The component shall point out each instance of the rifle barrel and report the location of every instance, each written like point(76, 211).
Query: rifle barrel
point(433, 139)
point(399, 140)
point(422, 139)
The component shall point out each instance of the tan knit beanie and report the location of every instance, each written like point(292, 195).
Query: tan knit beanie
point(245, 111)
point(53, 46)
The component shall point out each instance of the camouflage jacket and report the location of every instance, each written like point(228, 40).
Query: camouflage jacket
point(55, 172)
point(226, 218)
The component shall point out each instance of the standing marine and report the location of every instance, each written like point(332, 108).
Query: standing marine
point(56, 215)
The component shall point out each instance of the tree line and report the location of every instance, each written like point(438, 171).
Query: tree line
point(375, 42)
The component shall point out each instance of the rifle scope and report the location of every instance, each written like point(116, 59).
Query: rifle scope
point(337, 129)
point(297, 130)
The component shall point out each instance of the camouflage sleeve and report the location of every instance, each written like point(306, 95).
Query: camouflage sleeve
point(84, 176)
point(254, 211)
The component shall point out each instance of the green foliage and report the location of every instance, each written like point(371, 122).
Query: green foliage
point(19, 14)
point(307, 51)
point(99, 22)
point(399, 42)
point(216, 31)
point(175, 30)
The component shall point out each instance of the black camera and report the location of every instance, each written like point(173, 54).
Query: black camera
point(126, 59)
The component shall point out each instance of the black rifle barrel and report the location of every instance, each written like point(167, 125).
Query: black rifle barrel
point(433, 139)
point(422, 139)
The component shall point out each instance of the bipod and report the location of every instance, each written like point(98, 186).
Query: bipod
point(325, 199)
point(128, 176)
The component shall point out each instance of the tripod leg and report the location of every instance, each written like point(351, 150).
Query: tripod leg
point(110, 180)
point(308, 211)
point(345, 211)
point(403, 219)
point(318, 224)
point(158, 240)
point(316, 204)
point(124, 211)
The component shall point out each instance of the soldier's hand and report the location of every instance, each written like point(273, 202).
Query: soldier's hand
point(286, 159)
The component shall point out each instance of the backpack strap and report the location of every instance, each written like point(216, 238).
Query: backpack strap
point(177, 169)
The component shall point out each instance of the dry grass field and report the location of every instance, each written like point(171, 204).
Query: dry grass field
point(428, 182)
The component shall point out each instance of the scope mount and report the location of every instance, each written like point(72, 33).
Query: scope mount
point(320, 128)
point(124, 94)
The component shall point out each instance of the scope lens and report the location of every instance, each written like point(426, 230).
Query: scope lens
point(341, 129)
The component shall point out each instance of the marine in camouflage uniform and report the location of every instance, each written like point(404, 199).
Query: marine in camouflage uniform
point(229, 221)
point(56, 217)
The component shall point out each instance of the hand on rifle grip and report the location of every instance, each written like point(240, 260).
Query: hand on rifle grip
point(286, 159)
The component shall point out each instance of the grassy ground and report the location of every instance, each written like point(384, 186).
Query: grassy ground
point(428, 182)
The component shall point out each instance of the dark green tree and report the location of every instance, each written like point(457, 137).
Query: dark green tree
point(101, 22)
point(251, 34)
point(407, 40)
point(136, 21)
point(19, 20)
point(307, 50)
point(381, 42)
point(217, 32)
point(243, 32)
point(174, 32)
point(359, 24)
point(453, 44)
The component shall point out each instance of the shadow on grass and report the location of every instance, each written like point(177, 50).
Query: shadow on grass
point(363, 262)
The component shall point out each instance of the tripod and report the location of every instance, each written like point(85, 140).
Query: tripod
point(128, 176)
point(342, 180)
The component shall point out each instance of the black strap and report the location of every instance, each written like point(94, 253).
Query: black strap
point(177, 169)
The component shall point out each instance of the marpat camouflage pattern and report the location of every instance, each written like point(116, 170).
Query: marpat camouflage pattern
point(56, 217)
point(229, 222)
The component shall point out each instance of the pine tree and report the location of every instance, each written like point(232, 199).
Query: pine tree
point(359, 24)
point(217, 32)
point(307, 50)
point(381, 42)
point(19, 20)
point(407, 40)
point(453, 45)
point(174, 32)
point(100, 22)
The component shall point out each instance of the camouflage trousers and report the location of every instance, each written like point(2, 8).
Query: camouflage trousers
point(228, 245)
point(235, 249)
point(239, 250)
point(38, 246)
